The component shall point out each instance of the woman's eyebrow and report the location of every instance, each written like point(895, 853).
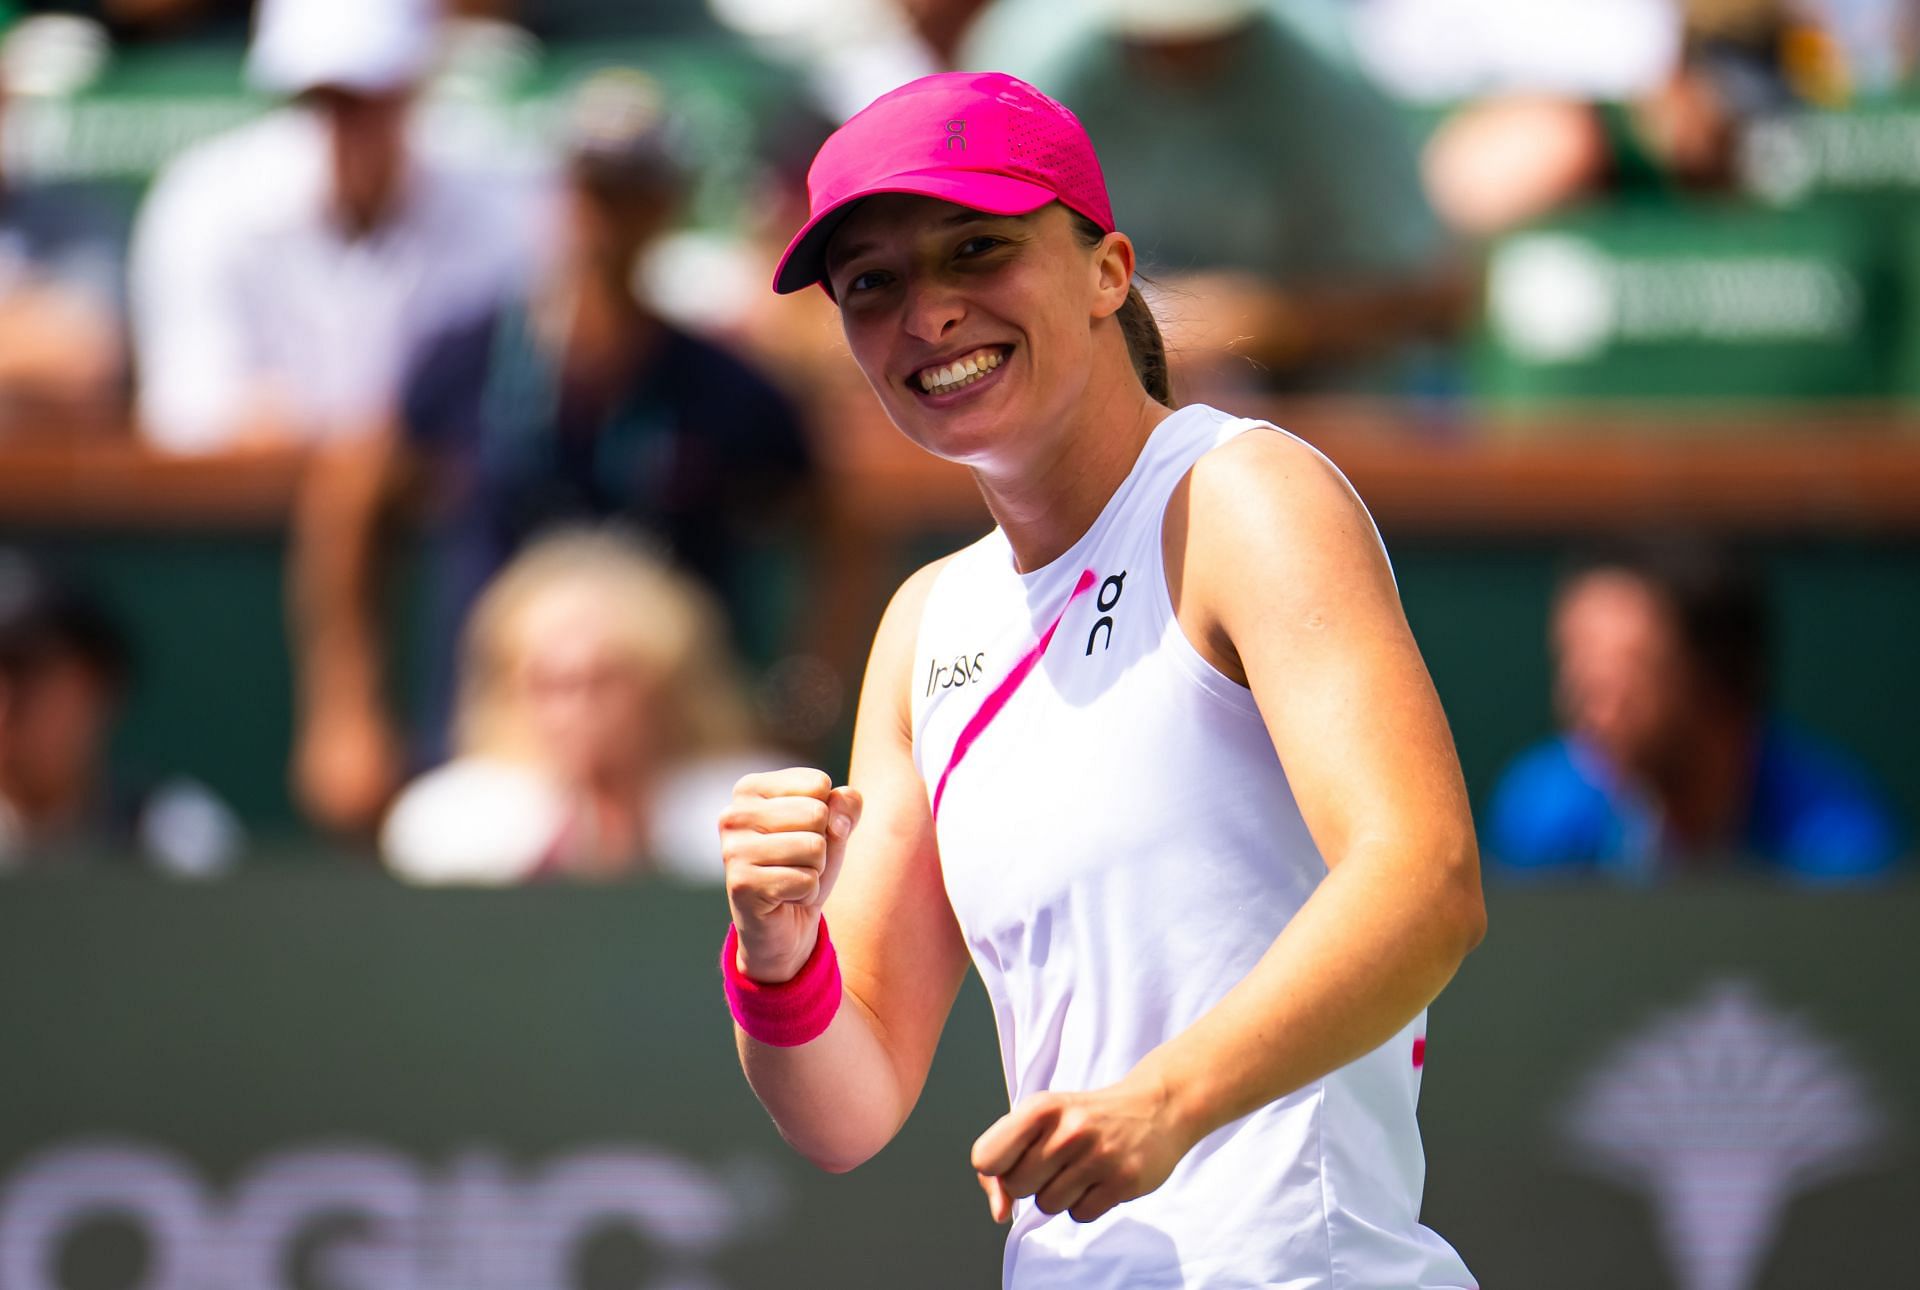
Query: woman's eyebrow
point(841, 255)
point(981, 217)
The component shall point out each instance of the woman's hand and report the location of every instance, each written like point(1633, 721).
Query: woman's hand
point(1082, 1153)
point(783, 839)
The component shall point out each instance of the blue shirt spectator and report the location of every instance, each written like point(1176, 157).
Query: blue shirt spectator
point(1670, 760)
point(1562, 809)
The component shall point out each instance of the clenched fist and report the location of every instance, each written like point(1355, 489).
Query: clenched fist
point(783, 839)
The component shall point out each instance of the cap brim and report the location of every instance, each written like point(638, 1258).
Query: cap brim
point(805, 262)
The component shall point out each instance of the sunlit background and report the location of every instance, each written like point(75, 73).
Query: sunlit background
point(407, 479)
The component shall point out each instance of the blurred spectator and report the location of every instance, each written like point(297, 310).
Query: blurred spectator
point(62, 354)
point(594, 20)
point(284, 273)
point(1447, 51)
point(574, 401)
point(1671, 762)
point(600, 727)
point(942, 25)
point(1272, 191)
point(853, 51)
point(1870, 46)
point(1509, 161)
point(135, 21)
point(63, 673)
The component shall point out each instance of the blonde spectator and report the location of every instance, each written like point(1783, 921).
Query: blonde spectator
point(600, 722)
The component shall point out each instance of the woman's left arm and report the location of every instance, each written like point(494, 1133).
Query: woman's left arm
point(1278, 580)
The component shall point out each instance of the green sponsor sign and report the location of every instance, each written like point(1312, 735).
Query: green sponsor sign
point(1795, 157)
point(330, 1083)
point(1688, 303)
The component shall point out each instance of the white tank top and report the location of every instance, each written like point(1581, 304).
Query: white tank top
point(1120, 846)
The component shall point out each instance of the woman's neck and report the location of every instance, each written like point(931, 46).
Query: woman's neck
point(1046, 503)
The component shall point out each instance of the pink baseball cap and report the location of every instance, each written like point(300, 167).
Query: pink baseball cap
point(984, 140)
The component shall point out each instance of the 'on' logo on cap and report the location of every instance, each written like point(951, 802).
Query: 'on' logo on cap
point(956, 135)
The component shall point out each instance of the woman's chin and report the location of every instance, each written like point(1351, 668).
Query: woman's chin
point(969, 434)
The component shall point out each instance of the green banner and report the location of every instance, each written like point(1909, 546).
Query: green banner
point(1694, 302)
point(331, 1083)
point(1869, 152)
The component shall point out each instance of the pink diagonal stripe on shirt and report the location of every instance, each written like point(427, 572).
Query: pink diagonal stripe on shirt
point(997, 699)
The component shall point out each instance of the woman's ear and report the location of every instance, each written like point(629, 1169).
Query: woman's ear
point(1113, 270)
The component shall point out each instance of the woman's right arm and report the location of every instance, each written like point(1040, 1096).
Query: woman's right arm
point(791, 847)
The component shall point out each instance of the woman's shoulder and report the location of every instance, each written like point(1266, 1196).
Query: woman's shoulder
point(982, 559)
point(1260, 488)
point(1253, 453)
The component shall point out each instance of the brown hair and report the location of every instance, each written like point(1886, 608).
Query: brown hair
point(1718, 604)
point(1144, 345)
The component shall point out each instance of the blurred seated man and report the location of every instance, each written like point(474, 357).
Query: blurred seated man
point(1273, 192)
point(62, 357)
point(285, 273)
point(574, 401)
point(133, 22)
point(63, 673)
point(1671, 762)
point(600, 727)
point(1506, 162)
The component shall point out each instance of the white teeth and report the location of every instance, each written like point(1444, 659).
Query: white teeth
point(960, 372)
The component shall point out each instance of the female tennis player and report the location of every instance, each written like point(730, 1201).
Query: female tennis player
point(1158, 755)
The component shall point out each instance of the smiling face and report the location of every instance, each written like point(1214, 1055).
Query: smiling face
point(980, 333)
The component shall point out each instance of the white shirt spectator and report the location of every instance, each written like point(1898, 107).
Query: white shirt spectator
point(247, 294)
point(477, 821)
point(1440, 51)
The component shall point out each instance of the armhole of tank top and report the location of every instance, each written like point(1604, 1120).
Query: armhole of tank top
point(1187, 655)
point(916, 705)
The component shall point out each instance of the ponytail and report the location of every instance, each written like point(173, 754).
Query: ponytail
point(1145, 348)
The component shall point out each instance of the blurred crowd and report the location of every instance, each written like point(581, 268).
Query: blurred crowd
point(556, 375)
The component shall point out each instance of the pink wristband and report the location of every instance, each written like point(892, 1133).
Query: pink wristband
point(793, 1012)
